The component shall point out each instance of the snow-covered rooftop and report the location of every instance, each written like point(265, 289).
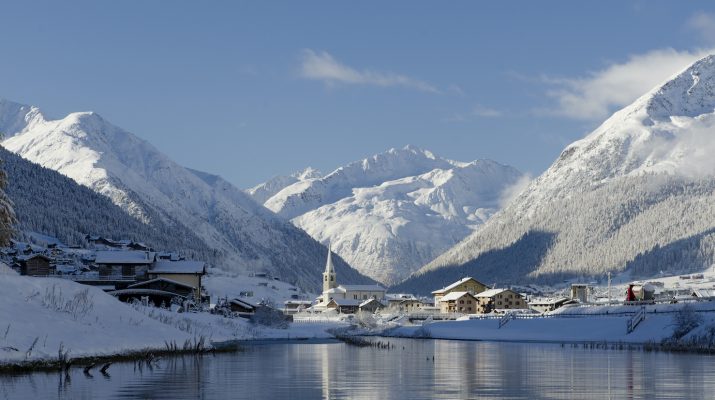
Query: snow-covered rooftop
point(455, 284)
point(346, 302)
point(368, 301)
point(363, 288)
point(549, 300)
point(242, 303)
point(124, 257)
point(491, 292)
point(454, 296)
point(400, 296)
point(173, 282)
point(178, 267)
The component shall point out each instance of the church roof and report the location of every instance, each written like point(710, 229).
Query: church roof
point(362, 288)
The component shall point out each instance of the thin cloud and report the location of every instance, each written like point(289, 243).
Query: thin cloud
point(322, 66)
point(483, 111)
point(478, 111)
point(704, 24)
point(598, 94)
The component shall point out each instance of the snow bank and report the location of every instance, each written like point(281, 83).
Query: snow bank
point(39, 316)
point(578, 324)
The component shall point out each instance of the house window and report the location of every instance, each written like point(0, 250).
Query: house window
point(355, 296)
point(461, 301)
point(364, 297)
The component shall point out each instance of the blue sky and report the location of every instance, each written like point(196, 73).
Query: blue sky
point(249, 90)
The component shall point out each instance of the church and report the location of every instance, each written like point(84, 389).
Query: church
point(344, 297)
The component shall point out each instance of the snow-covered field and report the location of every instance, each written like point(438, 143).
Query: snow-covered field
point(39, 317)
point(220, 284)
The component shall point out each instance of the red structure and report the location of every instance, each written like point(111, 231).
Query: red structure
point(630, 296)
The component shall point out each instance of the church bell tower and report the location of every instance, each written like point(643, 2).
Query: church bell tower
point(329, 281)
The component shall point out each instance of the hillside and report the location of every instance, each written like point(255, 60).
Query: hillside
point(153, 189)
point(635, 196)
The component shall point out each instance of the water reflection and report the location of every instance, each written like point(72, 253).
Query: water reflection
point(409, 369)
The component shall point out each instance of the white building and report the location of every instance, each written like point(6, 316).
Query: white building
point(333, 291)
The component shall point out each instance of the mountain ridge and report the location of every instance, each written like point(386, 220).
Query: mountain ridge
point(390, 213)
point(147, 184)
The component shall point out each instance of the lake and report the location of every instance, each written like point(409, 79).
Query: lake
point(410, 369)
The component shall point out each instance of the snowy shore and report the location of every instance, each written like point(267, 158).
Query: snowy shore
point(577, 324)
point(48, 320)
point(43, 320)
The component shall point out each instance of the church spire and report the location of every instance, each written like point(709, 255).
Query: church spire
point(329, 278)
point(329, 269)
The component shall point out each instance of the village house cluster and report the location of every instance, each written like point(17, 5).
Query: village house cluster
point(463, 297)
point(125, 269)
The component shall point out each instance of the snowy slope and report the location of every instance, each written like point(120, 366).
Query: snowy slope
point(264, 191)
point(636, 194)
point(53, 312)
point(389, 214)
point(144, 182)
point(309, 194)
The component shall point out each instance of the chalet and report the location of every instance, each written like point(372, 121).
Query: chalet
point(550, 304)
point(138, 246)
point(169, 256)
point(405, 303)
point(99, 240)
point(184, 271)
point(241, 306)
point(396, 298)
point(458, 302)
point(412, 306)
point(499, 299)
point(128, 264)
point(344, 306)
point(470, 285)
point(371, 305)
point(291, 307)
point(158, 291)
point(34, 265)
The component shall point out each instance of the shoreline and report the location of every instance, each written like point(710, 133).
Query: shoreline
point(149, 354)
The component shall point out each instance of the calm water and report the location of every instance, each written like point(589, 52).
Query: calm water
point(459, 370)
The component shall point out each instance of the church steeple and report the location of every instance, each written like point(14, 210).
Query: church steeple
point(329, 281)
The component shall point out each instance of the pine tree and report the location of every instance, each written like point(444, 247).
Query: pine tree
point(7, 214)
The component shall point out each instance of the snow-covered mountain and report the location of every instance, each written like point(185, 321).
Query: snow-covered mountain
point(389, 214)
point(264, 191)
point(636, 195)
point(148, 185)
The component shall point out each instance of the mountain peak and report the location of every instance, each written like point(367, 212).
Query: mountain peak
point(308, 173)
point(690, 93)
